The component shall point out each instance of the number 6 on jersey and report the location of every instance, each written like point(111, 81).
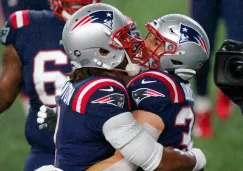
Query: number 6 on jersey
point(42, 76)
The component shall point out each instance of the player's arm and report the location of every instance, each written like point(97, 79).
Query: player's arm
point(10, 78)
point(172, 159)
point(117, 161)
point(141, 149)
point(177, 160)
point(11, 72)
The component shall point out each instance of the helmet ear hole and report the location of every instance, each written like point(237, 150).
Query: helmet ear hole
point(175, 62)
point(104, 52)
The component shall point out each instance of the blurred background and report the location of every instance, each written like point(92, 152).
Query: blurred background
point(223, 150)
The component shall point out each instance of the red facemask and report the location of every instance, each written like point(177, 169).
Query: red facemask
point(70, 6)
point(125, 39)
point(148, 57)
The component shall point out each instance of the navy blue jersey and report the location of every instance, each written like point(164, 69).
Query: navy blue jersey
point(10, 6)
point(169, 97)
point(37, 5)
point(36, 36)
point(83, 109)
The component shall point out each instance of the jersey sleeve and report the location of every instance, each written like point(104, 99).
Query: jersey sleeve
point(16, 21)
point(153, 92)
point(103, 98)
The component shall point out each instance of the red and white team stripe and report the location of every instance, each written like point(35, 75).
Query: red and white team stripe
point(82, 21)
point(176, 94)
point(154, 93)
point(19, 19)
point(203, 44)
point(104, 99)
point(85, 92)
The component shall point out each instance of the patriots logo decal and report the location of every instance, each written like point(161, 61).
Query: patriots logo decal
point(143, 93)
point(103, 17)
point(189, 34)
point(114, 99)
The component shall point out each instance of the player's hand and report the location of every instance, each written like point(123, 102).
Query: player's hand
point(47, 118)
point(48, 168)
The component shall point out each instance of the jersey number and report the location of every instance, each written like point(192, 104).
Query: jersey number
point(42, 76)
point(186, 114)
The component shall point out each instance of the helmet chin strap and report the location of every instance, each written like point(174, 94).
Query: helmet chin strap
point(185, 74)
point(132, 69)
point(66, 15)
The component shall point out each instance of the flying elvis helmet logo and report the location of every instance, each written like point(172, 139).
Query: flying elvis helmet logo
point(189, 34)
point(105, 17)
point(143, 93)
point(114, 99)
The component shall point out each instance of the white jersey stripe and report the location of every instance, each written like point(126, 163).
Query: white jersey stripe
point(19, 18)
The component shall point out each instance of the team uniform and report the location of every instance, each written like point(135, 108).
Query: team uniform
point(36, 36)
point(169, 97)
point(83, 108)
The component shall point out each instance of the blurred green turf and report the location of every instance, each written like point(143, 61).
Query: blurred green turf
point(223, 151)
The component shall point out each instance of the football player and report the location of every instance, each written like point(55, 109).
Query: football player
point(179, 46)
point(94, 106)
point(95, 91)
point(10, 6)
point(34, 60)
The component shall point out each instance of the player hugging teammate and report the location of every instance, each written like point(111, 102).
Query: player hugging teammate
point(94, 108)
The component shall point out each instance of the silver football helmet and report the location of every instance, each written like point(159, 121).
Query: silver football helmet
point(185, 41)
point(97, 36)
